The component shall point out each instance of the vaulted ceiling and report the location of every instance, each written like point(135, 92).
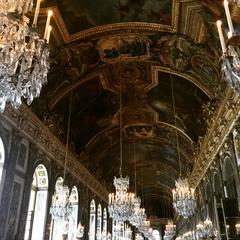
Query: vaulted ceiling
point(144, 45)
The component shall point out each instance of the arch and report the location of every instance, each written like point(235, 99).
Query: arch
point(99, 222)
point(73, 219)
point(104, 227)
point(2, 158)
point(92, 221)
point(36, 218)
point(230, 178)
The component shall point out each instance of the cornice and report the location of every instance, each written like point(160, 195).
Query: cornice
point(26, 122)
point(222, 124)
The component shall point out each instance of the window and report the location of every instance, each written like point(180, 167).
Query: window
point(92, 223)
point(35, 224)
point(2, 158)
point(104, 231)
point(74, 215)
point(99, 222)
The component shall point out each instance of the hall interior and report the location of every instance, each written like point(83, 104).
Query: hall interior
point(119, 119)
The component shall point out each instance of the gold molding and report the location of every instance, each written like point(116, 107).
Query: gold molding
point(27, 123)
point(223, 123)
point(115, 27)
point(197, 83)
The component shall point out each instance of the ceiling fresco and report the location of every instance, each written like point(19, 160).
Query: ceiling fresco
point(141, 63)
point(80, 14)
point(188, 101)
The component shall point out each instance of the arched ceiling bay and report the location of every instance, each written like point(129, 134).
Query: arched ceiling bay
point(145, 45)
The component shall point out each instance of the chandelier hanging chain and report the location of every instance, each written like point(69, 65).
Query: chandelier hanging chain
point(175, 124)
point(121, 133)
point(135, 167)
point(68, 130)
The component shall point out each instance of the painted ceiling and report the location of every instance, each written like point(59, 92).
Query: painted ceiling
point(158, 42)
point(80, 14)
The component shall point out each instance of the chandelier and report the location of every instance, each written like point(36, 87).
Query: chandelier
point(184, 200)
point(205, 230)
point(188, 236)
point(23, 53)
point(237, 2)
point(170, 230)
point(80, 231)
point(61, 206)
point(121, 204)
point(230, 62)
point(139, 215)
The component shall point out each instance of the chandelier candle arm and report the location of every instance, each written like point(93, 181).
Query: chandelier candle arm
point(50, 13)
point(48, 34)
point(221, 37)
point(36, 14)
point(229, 19)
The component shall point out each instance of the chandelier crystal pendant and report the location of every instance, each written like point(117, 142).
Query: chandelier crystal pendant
point(230, 62)
point(170, 231)
point(61, 207)
point(184, 200)
point(24, 55)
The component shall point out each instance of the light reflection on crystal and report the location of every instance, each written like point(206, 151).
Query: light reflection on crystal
point(184, 200)
point(23, 57)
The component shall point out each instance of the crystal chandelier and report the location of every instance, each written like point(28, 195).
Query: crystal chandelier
point(188, 236)
point(170, 231)
point(80, 231)
point(61, 206)
point(139, 215)
point(121, 204)
point(23, 53)
point(205, 230)
point(230, 62)
point(237, 2)
point(145, 228)
point(184, 200)
point(237, 227)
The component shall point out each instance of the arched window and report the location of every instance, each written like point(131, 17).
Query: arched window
point(2, 158)
point(99, 222)
point(104, 231)
point(92, 223)
point(57, 227)
point(37, 207)
point(74, 214)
